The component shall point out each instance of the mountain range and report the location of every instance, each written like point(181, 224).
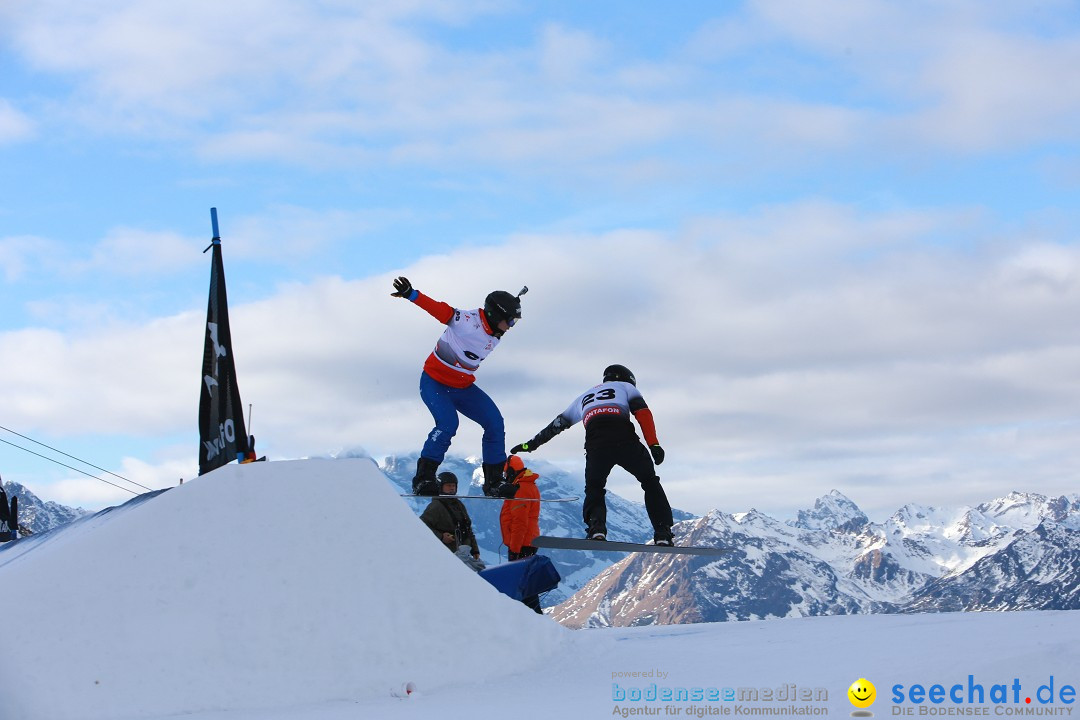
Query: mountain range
point(1018, 552)
point(37, 515)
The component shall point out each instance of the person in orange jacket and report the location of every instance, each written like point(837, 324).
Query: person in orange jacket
point(520, 516)
point(519, 519)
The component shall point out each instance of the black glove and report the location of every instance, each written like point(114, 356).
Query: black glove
point(657, 453)
point(511, 555)
point(523, 447)
point(403, 287)
point(526, 551)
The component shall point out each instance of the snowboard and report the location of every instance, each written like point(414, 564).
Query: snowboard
point(572, 498)
point(562, 543)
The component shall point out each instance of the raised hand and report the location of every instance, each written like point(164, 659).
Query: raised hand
point(403, 286)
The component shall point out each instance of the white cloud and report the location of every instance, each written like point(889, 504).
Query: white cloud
point(279, 236)
point(105, 488)
point(82, 492)
point(14, 124)
point(340, 85)
point(1053, 268)
point(138, 252)
point(566, 55)
point(137, 62)
point(128, 379)
point(784, 353)
point(994, 91)
point(965, 76)
point(24, 253)
point(284, 234)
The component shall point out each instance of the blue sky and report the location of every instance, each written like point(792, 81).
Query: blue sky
point(837, 244)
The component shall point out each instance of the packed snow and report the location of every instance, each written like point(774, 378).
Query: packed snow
point(212, 601)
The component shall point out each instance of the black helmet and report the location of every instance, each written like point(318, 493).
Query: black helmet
point(619, 373)
point(501, 305)
point(447, 477)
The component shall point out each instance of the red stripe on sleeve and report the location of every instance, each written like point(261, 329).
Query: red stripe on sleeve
point(648, 427)
point(438, 310)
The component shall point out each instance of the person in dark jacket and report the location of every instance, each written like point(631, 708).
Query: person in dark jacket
point(610, 439)
point(448, 518)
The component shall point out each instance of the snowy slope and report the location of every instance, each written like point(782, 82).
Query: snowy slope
point(211, 595)
point(827, 653)
point(208, 602)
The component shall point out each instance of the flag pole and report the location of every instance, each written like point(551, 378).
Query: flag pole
point(222, 435)
point(216, 240)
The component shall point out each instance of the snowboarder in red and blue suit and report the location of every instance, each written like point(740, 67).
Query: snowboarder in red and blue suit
point(447, 385)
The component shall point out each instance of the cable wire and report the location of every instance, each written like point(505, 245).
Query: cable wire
point(84, 462)
point(68, 466)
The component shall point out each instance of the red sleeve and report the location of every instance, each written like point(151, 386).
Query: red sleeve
point(438, 310)
point(648, 428)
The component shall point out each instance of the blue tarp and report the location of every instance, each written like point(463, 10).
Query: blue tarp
point(523, 578)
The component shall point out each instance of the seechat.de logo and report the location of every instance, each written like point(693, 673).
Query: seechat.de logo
point(862, 695)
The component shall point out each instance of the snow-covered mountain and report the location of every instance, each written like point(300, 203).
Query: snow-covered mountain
point(1037, 570)
point(627, 520)
point(38, 515)
point(1021, 551)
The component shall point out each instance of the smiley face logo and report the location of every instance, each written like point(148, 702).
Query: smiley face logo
point(862, 693)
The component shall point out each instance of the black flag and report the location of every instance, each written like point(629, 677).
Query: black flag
point(222, 435)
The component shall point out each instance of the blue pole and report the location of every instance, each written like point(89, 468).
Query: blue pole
point(213, 221)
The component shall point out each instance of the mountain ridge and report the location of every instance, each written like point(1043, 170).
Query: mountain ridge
point(1019, 551)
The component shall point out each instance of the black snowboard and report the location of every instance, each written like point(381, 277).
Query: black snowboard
point(561, 543)
point(572, 498)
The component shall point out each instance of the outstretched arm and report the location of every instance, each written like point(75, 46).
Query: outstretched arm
point(555, 427)
point(438, 310)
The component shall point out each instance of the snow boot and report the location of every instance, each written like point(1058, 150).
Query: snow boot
point(596, 531)
point(495, 484)
point(424, 483)
point(663, 536)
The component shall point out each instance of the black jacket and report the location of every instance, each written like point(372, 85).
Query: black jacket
point(448, 515)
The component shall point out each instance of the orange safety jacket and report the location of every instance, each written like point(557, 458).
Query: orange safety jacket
point(520, 521)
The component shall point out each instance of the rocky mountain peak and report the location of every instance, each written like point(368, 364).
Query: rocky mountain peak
point(834, 512)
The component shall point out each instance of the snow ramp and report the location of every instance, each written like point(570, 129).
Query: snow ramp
point(221, 594)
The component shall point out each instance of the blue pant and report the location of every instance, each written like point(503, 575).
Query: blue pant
point(445, 403)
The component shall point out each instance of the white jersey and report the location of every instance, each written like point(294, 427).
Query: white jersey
point(463, 346)
point(609, 399)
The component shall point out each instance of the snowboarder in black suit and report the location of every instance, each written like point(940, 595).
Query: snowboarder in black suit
point(610, 440)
